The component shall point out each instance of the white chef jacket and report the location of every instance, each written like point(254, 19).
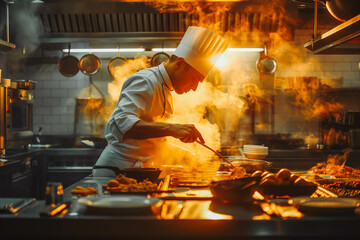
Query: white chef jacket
point(145, 95)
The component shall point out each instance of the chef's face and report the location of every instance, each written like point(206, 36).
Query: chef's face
point(186, 78)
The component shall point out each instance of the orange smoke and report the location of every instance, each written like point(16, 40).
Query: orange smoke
point(192, 108)
point(121, 73)
point(313, 106)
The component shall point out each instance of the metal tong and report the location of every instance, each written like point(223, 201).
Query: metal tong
point(218, 154)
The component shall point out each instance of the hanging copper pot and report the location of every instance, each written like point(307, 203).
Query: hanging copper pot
point(343, 10)
point(114, 63)
point(266, 64)
point(159, 58)
point(89, 64)
point(69, 65)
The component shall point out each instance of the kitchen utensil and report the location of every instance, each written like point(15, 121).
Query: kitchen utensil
point(68, 65)
point(114, 63)
point(89, 64)
point(159, 58)
point(266, 64)
point(235, 190)
point(218, 154)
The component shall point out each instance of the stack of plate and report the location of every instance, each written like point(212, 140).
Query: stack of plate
point(255, 151)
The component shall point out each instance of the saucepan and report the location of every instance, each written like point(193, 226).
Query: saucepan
point(89, 64)
point(159, 58)
point(114, 63)
point(266, 64)
point(342, 10)
point(68, 65)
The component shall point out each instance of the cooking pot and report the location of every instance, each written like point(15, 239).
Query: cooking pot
point(159, 58)
point(89, 64)
point(68, 65)
point(25, 84)
point(342, 10)
point(266, 64)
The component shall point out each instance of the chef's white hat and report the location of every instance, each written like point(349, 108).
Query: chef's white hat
point(199, 47)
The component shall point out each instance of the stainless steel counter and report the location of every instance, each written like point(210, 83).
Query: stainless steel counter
point(198, 220)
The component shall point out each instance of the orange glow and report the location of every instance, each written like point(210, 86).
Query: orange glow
point(258, 196)
point(221, 63)
point(335, 166)
point(121, 73)
point(217, 216)
point(311, 140)
point(58, 209)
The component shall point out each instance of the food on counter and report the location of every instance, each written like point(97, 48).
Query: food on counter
point(283, 174)
point(343, 188)
point(84, 191)
point(282, 177)
point(335, 170)
point(284, 184)
point(335, 166)
point(125, 184)
point(238, 172)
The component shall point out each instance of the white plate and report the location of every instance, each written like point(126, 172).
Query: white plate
point(118, 204)
point(326, 205)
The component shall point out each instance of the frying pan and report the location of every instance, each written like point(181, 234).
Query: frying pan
point(115, 62)
point(140, 174)
point(89, 64)
point(69, 65)
point(266, 64)
point(159, 58)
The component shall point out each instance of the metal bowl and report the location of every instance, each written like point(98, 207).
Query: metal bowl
point(250, 165)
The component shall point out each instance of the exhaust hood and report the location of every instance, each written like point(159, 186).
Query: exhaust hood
point(342, 39)
point(64, 21)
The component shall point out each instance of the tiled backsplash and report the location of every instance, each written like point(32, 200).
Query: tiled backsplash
point(55, 94)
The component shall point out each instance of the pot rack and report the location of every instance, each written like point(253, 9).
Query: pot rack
point(342, 39)
point(7, 45)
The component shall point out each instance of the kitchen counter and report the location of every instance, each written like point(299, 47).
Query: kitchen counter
point(198, 219)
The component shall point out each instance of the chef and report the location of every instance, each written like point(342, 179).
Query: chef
point(135, 130)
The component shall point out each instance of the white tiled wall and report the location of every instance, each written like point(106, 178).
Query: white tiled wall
point(55, 94)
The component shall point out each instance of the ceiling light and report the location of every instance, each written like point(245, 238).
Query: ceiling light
point(104, 50)
point(163, 49)
point(244, 50)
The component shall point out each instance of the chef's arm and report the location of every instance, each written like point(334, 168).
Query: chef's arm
point(143, 130)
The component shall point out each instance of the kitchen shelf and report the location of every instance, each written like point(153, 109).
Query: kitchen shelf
point(343, 39)
point(6, 46)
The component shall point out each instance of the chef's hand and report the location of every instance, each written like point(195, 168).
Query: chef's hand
point(187, 133)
